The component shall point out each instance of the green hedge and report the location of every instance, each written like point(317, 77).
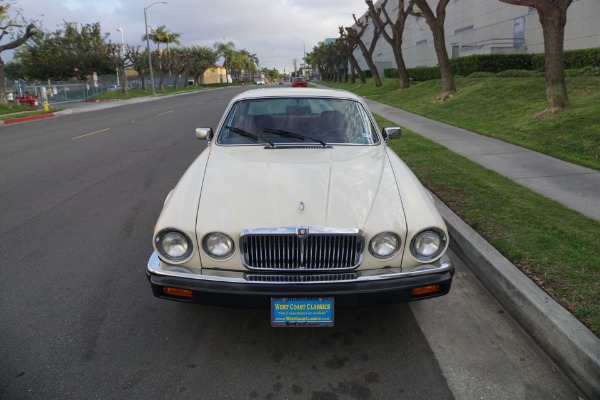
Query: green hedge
point(424, 73)
point(584, 60)
point(391, 73)
point(490, 63)
point(573, 59)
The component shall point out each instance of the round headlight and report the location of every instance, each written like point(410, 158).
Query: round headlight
point(173, 245)
point(384, 245)
point(428, 244)
point(218, 245)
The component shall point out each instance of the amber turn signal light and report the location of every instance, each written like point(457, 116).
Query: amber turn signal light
point(425, 290)
point(178, 292)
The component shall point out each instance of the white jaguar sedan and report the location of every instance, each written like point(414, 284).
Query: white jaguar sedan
point(298, 205)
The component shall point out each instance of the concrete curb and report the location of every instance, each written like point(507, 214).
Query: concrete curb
point(566, 340)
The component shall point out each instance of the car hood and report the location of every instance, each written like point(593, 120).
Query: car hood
point(258, 187)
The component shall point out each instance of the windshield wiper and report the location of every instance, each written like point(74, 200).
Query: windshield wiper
point(293, 135)
point(249, 135)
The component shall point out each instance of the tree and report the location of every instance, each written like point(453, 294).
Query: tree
point(397, 28)
point(338, 61)
point(171, 37)
point(10, 21)
point(201, 59)
point(553, 18)
point(161, 35)
point(355, 37)
point(248, 63)
point(180, 60)
point(138, 60)
point(436, 24)
point(225, 50)
point(157, 36)
point(73, 51)
point(348, 49)
point(317, 59)
point(114, 52)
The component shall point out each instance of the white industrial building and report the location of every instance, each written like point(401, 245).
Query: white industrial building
point(483, 27)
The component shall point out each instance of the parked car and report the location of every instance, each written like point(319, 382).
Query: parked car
point(298, 204)
point(260, 82)
point(299, 82)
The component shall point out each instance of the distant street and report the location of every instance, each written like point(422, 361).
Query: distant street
point(79, 195)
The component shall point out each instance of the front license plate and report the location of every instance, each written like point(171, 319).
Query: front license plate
point(296, 312)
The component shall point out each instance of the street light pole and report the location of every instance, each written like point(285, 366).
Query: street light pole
point(123, 56)
point(304, 52)
point(148, 45)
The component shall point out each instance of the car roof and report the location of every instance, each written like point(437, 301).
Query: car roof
point(290, 92)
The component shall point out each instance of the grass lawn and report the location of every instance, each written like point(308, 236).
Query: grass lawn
point(168, 90)
point(507, 109)
point(555, 246)
point(13, 110)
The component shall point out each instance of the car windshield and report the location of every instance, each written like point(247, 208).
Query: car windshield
point(297, 120)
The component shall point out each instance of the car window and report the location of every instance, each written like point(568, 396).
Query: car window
point(334, 121)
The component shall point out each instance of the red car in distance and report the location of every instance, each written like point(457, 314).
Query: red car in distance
point(299, 82)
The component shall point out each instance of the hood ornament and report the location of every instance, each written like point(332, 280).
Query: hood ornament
point(301, 206)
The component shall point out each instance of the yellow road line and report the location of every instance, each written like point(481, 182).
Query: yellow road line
point(91, 133)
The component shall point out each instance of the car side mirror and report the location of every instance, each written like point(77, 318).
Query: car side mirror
point(204, 134)
point(390, 132)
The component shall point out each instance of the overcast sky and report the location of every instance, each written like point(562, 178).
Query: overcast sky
point(274, 30)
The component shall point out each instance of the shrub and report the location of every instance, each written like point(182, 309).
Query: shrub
point(489, 63)
point(582, 58)
point(424, 73)
point(518, 73)
point(574, 59)
point(585, 62)
point(481, 75)
point(585, 71)
point(391, 73)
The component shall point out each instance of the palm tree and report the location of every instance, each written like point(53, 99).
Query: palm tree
point(248, 62)
point(162, 35)
point(225, 50)
point(171, 37)
point(158, 36)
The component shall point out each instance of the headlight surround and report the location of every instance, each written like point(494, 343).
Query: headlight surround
point(384, 245)
point(218, 245)
point(428, 244)
point(173, 245)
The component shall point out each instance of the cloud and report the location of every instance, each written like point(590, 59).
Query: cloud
point(277, 31)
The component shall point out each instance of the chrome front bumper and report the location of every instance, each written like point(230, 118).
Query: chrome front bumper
point(251, 289)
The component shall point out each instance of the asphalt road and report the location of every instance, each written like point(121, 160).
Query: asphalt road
point(79, 195)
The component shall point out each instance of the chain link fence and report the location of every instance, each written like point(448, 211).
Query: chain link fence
point(65, 92)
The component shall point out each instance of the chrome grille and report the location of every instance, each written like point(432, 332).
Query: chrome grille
point(301, 249)
point(294, 278)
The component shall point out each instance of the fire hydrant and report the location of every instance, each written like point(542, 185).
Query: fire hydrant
point(46, 106)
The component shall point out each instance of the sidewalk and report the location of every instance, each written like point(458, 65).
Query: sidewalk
point(573, 186)
point(565, 339)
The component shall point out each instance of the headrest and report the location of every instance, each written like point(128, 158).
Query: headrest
point(297, 110)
